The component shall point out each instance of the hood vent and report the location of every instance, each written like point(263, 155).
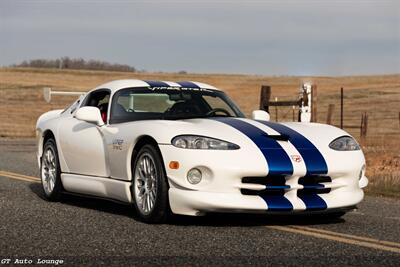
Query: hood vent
point(281, 137)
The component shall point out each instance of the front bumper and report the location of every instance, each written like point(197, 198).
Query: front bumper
point(197, 203)
point(221, 189)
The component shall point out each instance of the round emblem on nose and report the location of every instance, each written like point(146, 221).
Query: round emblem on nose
point(296, 158)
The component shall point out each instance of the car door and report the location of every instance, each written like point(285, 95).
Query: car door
point(82, 143)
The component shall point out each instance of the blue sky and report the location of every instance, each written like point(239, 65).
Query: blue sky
point(251, 37)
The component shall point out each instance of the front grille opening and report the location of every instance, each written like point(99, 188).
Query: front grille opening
point(313, 179)
point(313, 185)
point(266, 192)
point(276, 185)
point(272, 180)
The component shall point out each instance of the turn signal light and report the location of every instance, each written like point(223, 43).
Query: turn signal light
point(174, 165)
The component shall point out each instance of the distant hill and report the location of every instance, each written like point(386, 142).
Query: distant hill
point(74, 63)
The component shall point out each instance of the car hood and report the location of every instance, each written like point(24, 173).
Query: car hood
point(301, 134)
point(241, 130)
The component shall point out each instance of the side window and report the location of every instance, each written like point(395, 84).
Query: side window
point(99, 99)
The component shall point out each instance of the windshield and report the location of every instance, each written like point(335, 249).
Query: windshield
point(170, 104)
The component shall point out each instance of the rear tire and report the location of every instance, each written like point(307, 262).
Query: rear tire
point(50, 171)
point(149, 186)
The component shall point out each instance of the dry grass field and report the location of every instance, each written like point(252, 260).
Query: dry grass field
point(21, 103)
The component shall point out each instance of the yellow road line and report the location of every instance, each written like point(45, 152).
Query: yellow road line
point(335, 238)
point(19, 177)
point(361, 238)
point(18, 174)
point(303, 230)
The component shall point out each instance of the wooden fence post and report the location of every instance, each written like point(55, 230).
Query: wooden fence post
point(364, 125)
point(293, 113)
point(314, 98)
point(265, 96)
point(331, 107)
point(341, 107)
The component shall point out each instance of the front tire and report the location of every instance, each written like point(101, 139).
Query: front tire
point(149, 186)
point(50, 172)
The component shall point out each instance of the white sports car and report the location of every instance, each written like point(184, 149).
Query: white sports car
point(186, 148)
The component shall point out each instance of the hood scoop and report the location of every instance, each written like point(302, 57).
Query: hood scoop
point(278, 137)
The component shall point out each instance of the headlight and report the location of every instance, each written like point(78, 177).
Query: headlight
point(344, 143)
point(201, 142)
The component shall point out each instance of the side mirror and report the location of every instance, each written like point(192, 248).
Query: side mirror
point(260, 115)
point(89, 114)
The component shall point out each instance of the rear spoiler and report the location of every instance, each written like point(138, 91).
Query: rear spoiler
point(47, 93)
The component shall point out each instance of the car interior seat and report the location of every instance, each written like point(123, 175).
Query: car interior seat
point(185, 107)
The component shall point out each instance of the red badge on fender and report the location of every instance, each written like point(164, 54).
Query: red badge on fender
point(296, 158)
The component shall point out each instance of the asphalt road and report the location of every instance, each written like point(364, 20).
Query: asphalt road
point(82, 231)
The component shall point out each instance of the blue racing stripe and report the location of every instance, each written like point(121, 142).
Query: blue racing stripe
point(277, 159)
point(277, 203)
point(313, 159)
point(157, 84)
point(187, 84)
point(278, 186)
point(315, 186)
point(313, 201)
